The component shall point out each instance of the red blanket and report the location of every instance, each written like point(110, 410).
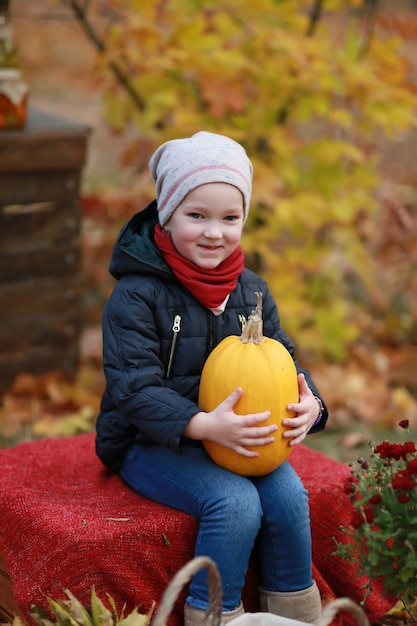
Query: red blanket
point(67, 523)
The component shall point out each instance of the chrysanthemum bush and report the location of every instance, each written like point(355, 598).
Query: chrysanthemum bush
point(382, 535)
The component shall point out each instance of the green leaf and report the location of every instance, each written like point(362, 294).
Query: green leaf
point(62, 615)
point(40, 616)
point(78, 612)
point(101, 615)
point(135, 619)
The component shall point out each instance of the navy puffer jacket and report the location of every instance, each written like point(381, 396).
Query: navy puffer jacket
point(156, 338)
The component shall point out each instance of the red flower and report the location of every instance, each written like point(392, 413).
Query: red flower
point(395, 451)
point(349, 486)
point(403, 498)
point(412, 466)
point(376, 499)
point(402, 480)
point(404, 423)
point(409, 447)
point(383, 505)
point(357, 519)
point(369, 513)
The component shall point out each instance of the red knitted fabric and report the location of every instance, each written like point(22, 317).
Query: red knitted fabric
point(67, 523)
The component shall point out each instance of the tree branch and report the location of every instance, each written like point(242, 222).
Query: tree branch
point(315, 16)
point(369, 28)
point(80, 13)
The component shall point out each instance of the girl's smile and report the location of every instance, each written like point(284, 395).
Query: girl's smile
point(207, 226)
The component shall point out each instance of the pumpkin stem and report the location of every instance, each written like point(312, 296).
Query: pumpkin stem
point(252, 332)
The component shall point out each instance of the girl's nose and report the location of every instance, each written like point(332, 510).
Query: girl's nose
point(213, 231)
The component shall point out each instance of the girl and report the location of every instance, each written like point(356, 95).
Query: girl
point(182, 288)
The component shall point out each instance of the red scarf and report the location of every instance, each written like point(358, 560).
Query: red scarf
point(210, 287)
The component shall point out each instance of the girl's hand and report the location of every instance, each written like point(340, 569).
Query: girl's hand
point(307, 410)
point(224, 426)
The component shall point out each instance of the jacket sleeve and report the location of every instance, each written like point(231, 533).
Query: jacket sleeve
point(134, 371)
point(273, 329)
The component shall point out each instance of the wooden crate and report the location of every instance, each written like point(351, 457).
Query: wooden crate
point(40, 248)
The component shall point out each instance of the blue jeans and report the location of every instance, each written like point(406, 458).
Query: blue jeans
point(234, 511)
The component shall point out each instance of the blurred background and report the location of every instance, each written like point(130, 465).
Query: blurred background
point(322, 94)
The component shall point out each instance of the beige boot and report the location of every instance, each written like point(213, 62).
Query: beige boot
point(304, 605)
point(196, 617)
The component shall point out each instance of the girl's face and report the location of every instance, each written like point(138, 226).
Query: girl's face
point(207, 226)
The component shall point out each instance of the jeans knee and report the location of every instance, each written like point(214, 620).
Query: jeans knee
point(284, 497)
point(239, 507)
point(296, 500)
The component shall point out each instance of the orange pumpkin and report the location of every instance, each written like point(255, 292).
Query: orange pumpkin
point(265, 371)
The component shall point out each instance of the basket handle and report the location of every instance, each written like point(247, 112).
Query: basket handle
point(214, 609)
point(346, 604)
point(181, 578)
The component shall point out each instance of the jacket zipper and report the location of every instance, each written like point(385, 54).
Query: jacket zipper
point(176, 327)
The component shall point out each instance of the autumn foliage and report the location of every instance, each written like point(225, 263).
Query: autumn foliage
point(308, 88)
point(320, 93)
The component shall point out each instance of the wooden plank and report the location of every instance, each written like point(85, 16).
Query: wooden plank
point(40, 252)
point(37, 361)
point(46, 143)
point(50, 151)
point(40, 221)
point(26, 263)
point(39, 297)
point(23, 332)
point(29, 187)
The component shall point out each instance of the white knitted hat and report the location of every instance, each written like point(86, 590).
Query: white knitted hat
point(179, 166)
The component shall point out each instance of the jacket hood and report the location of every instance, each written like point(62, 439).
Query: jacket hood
point(135, 251)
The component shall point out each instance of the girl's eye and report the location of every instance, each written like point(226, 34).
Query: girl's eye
point(196, 216)
point(231, 218)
